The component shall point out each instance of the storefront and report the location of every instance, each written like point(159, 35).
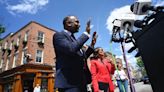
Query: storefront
point(26, 77)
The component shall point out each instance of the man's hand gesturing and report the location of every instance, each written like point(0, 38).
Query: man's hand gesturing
point(88, 29)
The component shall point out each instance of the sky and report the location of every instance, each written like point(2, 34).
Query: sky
point(14, 14)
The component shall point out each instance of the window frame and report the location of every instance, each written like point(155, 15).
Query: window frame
point(39, 56)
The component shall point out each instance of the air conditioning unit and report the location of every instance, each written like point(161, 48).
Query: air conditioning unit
point(25, 39)
point(40, 41)
point(28, 55)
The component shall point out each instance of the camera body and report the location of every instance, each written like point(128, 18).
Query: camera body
point(125, 19)
point(140, 7)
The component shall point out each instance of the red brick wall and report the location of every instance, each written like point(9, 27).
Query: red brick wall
point(47, 47)
point(32, 44)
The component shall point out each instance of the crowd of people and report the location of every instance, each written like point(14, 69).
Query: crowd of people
point(78, 65)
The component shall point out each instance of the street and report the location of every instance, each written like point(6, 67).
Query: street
point(140, 87)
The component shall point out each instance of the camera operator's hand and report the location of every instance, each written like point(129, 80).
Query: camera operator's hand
point(88, 29)
point(94, 39)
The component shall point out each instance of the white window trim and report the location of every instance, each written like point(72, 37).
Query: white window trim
point(11, 46)
point(18, 40)
point(41, 57)
point(22, 57)
point(2, 60)
point(6, 43)
point(26, 36)
point(23, 54)
point(42, 37)
point(7, 64)
point(14, 60)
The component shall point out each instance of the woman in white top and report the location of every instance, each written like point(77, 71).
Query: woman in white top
point(37, 88)
point(121, 77)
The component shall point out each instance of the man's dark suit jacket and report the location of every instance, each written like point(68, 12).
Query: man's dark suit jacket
point(70, 60)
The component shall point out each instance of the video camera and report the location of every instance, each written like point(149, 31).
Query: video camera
point(147, 39)
point(123, 30)
point(123, 26)
point(127, 23)
point(143, 8)
point(140, 7)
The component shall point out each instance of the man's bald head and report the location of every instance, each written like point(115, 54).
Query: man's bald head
point(71, 23)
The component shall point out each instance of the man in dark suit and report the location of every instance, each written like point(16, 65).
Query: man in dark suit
point(71, 65)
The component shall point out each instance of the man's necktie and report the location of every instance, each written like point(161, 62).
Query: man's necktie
point(73, 36)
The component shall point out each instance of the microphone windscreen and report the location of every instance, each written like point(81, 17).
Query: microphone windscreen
point(132, 7)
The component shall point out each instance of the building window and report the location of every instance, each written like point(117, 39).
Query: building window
point(18, 40)
point(40, 37)
point(8, 87)
point(25, 39)
point(44, 85)
point(6, 43)
point(7, 63)
point(1, 62)
point(39, 56)
point(11, 45)
point(9, 48)
point(24, 61)
point(15, 59)
point(26, 36)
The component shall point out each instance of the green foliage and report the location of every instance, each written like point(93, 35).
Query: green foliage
point(140, 62)
point(14, 43)
point(0, 40)
point(141, 66)
point(2, 29)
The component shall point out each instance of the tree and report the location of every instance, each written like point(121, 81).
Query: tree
point(2, 30)
point(141, 66)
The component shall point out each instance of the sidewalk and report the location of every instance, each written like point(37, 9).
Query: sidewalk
point(139, 87)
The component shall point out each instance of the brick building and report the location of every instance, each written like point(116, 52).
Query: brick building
point(27, 58)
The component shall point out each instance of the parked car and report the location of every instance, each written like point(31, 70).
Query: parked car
point(145, 80)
